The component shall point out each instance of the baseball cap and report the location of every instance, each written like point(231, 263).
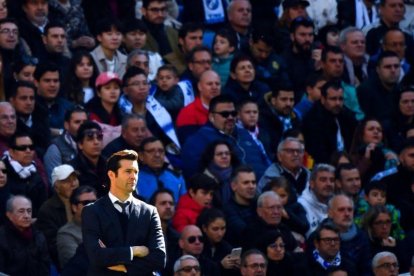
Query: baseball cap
point(61, 172)
point(292, 3)
point(106, 77)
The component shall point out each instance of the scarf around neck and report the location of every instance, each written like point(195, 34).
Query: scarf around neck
point(325, 264)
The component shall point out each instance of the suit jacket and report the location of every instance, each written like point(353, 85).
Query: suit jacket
point(100, 222)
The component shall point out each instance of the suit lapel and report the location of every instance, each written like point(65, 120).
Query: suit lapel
point(112, 216)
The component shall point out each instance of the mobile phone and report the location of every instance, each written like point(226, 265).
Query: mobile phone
point(236, 252)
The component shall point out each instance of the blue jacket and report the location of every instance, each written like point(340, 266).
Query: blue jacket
point(149, 181)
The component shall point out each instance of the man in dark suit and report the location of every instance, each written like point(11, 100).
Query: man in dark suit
point(121, 233)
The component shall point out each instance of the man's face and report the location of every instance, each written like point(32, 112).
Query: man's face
point(406, 103)
point(9, 36)
point(323, 186)
point(55, 40)
point(76, 119)
point(350, 182)
point(224, 117)
point(200, 63)
point(83, 199)
point(156, 12)
point(392, 12)
point(24, 101)
point(407, 158)
point(7, 121)
point(209, 86)
point(137, 88)
point(23, 152)
point(21, 215)
point(202, 197)
point(124, 181)
point(395, 41)
point(48, 86)
point(333, 66)
point(110, 40)
point(191, 40)
point(249, 115)
point(342, 212)
point(141, 61)
point(244, 186)
point(135, 39)
point(271, 210)
point(303, 38)
point(376, 197)
point(65, 187)
point(255, 266)
point(135, 132)
point(191, 241)
point(297, 11)
point(153, 155)
point(354, 46)
point(244, 72)
point(189, 267)
point(165, 206)
point(91, 145)
point(240, 16)
point(260, 50)
point(328, 245)
point(283, 102)
point(36, 11)
point(166, 79)
point(389, 70)
point(334, 100)
point(291, 155)
point(387, 266)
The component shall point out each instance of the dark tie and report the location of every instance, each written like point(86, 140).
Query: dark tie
point(124, 206)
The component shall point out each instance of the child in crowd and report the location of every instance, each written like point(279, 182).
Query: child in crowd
point(167, 90)
point(375, 194)
point(293, 214)
point(225, 43)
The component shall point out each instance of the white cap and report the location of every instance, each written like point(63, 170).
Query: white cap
point(61, 172)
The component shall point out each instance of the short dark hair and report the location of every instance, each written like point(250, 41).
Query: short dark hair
point(392, 29)
point(218, 100)
point(237, 59)
point(75, 109)
point(260, 35)
point(43, 68)
point(74, 197)
point(314, 78)
point(145, 3)
point(189, 27)
point(113, 163)
point(300, 21)
point(344, 167)
point(334, 84)
point(374, 184)
point(246, 101)
point(191, 54)
point(153, 198)
point(330, 49)
point(386, 54)
point(9, 20)
point(106, 25)
point(251, 252)
point(133, 24)
point(53, 24)
point(130, 73)
point(241, 169)
point(18, 134)
point(201, 181)
point(168, 67)
point(147, 141)
point(19, 84)
point(408, 143)
point(325, 225)
point(228, 34)
point(132, 116)
point(209, 215)
point(85, 126)
point(282, 87)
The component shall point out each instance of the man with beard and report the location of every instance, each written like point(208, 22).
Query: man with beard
point(314, 198)
point(221, 126)
point(278, 115)
point(299, 56)
point(329, 125)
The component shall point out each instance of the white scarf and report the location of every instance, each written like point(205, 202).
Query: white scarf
point(23, 172)
point(361, 14)
point(187, 90)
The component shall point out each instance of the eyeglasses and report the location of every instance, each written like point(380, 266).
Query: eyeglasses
point(382, 223)
point(192, 239)
point(226, 114)
point(24, 147)
point(202, 62)
point(330, 240)
point(85, 202)
point(256, 266)
point(293, 151)
point(90, 134)
point(189, 268)
point(388, 266)
point(28, 60)
point(158, 10)
point(277, 245)
point(9, 32)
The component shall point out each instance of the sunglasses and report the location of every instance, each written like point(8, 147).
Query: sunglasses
point(86, 202)
point(226, 114)
point(24, 147)
point(189, 268)
point(90, 134)
point(192, 239)
point(28, 60)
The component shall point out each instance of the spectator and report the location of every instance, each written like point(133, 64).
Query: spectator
point(348, 181)
point(253, 263)
point(239, 14)
point(4, 192)
point(358, 14)
point(7, 125)
point(186, 264)
point(385, 263)
point(224, 47)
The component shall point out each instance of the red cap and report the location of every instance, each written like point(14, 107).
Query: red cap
point(106, 77)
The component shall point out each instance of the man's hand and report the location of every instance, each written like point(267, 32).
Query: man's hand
point(140, 251)
point(119, 268)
